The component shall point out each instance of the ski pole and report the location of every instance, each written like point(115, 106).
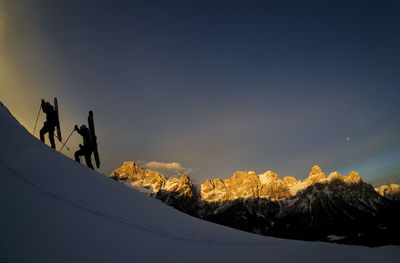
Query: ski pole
point(61, 142)
point(37, 119)
point(64, 145)
point(67, 139)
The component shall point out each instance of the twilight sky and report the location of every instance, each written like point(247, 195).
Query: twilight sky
point(215, 86)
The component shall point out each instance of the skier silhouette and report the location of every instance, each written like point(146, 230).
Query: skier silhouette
point(87, 148)
point(50, 123)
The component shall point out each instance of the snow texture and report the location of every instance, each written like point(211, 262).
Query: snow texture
point(334, 237)
point(54, 209)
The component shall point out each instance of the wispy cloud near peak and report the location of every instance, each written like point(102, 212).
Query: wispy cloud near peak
point(169, 168)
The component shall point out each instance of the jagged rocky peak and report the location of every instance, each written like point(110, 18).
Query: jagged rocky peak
point(316, 175)
point(243, 178)
point(315, 170)
point(186, 186)
point(127, 170)
point(267, 185)
point(353, 177)
point(242, 184)
point(290, 180)
point(133, 175)
point(219, 184)
point(138, 176)
point(391, 191)
point(245, 184)
point(185, 179)
point(181, 186)
point(208, 185)
point(268, 177)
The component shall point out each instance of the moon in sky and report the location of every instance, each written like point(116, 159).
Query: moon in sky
point(347, 138)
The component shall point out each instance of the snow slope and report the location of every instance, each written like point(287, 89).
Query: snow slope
point(56, 210)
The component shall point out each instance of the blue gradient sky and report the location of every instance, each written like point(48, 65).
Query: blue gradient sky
point(216, 86)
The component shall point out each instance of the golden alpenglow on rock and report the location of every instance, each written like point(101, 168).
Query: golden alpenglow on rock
point(391, 191)
point(315, 176)
point(242, 184)
point(138, 177)
point(267, 185)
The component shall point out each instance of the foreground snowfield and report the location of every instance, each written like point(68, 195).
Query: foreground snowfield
point(56, 210)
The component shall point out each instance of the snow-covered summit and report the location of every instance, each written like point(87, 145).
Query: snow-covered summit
point(56, 210)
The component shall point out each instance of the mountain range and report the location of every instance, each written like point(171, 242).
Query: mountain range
point(57, 210)
point(337, 208)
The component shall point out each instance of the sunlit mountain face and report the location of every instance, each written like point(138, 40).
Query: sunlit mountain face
point(337, 208)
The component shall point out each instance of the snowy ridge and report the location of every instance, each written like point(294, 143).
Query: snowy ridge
point(6, 113)
point(116, 218)
point(56, 210)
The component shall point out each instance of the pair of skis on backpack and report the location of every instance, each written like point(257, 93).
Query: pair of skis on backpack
point(91, 130)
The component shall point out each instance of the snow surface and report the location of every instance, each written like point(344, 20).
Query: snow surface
point(334, 237)
point(54, 209)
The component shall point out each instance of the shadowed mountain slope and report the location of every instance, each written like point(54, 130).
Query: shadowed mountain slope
point(336, 208)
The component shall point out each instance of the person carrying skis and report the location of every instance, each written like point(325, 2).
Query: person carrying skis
point(50, 123)
point(87, 148)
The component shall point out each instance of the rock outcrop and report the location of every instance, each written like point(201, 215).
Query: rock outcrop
point(314, 209)
point(267, 185)
point(135, 176)
point(241, 185)
point(391, 191)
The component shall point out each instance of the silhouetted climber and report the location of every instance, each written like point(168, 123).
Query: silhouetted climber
point(50, 123)
point(87, 148)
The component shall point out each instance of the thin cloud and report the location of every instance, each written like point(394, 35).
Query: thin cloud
point(169, 168)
